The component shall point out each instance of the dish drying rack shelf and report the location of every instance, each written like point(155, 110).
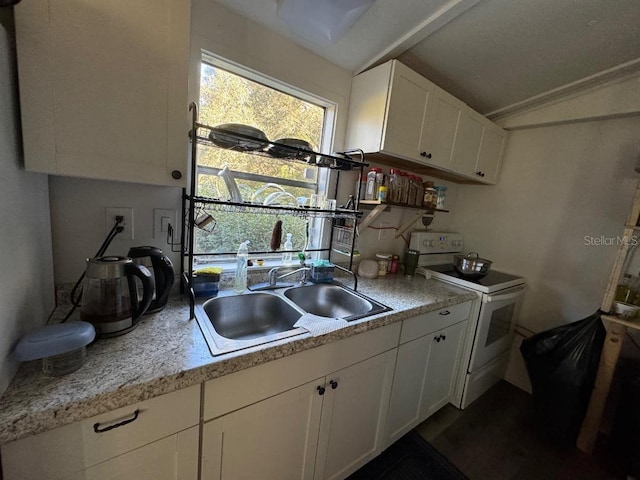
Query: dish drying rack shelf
point(222, 138)
point(266, 148)
point(247, 207)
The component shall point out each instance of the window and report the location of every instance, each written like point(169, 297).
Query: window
point(229, 94)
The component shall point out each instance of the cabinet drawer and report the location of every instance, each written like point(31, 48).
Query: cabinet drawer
point(77, 446)
point(237, 390)
point(420, 325)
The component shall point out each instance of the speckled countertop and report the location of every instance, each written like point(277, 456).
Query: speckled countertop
point(167, 352)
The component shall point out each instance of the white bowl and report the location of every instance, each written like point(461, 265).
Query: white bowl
point(626, 310)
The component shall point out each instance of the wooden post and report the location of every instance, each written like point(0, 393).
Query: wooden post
point(606, 369)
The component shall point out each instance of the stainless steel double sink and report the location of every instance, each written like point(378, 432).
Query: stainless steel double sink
point(235, 322)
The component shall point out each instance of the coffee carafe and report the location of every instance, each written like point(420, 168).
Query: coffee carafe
point(109, 295)
point(161, 268)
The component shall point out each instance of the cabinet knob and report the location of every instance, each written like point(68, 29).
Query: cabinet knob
point(425, 154)
point(333, 384)
point(320, 390)
point(176, 174)
point(444, 337)
point(480, 174)
point(437, 338)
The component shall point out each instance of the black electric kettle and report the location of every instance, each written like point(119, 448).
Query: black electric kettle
point(162, 270)
point(110, 294)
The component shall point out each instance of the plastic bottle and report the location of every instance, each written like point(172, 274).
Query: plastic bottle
point(240, 280)
point(372, 184)
point(287, 256)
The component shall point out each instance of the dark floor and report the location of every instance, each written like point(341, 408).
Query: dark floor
point(496, 438)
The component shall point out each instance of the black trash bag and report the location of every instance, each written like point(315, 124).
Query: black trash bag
point(562, 365)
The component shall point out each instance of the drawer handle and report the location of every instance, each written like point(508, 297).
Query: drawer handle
point(445, 312)
point(97, 429)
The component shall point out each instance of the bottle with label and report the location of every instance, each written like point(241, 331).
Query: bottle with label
point(287, 256)
point(419, 192)
point(240, 280)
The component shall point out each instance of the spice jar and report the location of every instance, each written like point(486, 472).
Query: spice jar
point(442, 193)
point(384, 261)
point(430, 197)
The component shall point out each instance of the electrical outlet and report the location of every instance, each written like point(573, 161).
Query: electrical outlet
point(383, 234)
point(162, 218)
point(110, 219)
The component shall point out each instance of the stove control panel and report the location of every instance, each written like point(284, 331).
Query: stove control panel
point(436, 242)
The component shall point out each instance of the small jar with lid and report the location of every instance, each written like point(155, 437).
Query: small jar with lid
point(430, 197)
point(442, 193)
point(384, 263)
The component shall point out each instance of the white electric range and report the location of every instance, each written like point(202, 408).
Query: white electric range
point(493, 316)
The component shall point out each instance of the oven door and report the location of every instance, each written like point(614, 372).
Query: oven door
point(496, 324)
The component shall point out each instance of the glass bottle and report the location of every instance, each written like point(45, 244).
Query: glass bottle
point(372, 187)
point(419, 192)
point(393, 193)
point(404, 192)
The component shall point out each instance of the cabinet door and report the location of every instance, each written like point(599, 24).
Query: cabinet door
point(408, 387)
point(442, 367)
point(353, 416)
point(467, 147)
point(442, 130)
point(103, 88)
point(491, 152)
point(273, 439)
point(408, 109)
point(172, 458)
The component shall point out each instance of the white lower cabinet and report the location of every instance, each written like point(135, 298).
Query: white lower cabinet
point(151, 440)
point(442, 368)
point(354, 411)
point(324, 429)
point(275, 438)
point(427, 369)
point(172, 458)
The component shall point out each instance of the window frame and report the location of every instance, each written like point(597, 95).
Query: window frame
point(326, 179)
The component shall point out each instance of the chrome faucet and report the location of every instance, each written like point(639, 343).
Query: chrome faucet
point(273, 277)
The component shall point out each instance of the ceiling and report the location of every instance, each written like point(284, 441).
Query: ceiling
point(496, 55)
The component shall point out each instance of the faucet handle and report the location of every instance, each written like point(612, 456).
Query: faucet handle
point(302, 258)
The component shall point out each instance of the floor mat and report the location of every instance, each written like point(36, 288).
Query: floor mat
point(410, 458)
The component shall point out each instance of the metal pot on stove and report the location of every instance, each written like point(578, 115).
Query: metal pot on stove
point(471, 265)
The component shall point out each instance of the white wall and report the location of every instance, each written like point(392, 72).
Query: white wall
point(77, 205)
point(558, 185)
point(26, 278)
point(78, 220)
point(568, 176)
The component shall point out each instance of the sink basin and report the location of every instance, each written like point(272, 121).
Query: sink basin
point(330, 300)
point(244, 317)
point(236, 322)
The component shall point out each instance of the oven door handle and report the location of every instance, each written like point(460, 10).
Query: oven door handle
point(507, 296)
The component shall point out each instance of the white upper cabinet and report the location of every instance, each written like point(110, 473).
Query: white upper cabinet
point(405, 120)
point(103, 88)
point(479, 148)
point(442, 131)
point(389, 111)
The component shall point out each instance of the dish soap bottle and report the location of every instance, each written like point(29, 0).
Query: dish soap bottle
point(240, 281)
point(287, 256)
